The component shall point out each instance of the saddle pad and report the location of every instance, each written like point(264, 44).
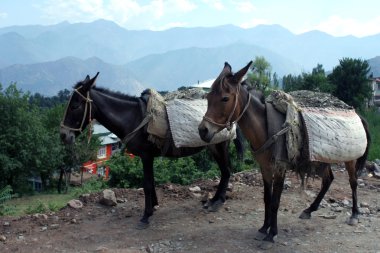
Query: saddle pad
point(334, 135)
point(158, 125)
point(185, 116)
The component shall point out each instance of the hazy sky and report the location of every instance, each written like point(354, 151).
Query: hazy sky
point(336, 17)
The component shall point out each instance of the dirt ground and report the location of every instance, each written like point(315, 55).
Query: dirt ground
point(181, 224)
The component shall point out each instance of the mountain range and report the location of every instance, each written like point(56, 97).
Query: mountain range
point(47, 59)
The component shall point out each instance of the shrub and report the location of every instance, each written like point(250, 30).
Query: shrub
point(373, 118)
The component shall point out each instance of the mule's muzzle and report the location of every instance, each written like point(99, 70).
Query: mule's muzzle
point(67, 136)
point(204, 132)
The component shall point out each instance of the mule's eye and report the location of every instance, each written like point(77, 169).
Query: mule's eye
point(75, 106)
point(225, 99)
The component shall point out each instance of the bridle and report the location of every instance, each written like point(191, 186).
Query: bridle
point(88, 107)
point(230, 123)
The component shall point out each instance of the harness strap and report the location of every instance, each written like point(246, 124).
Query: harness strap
point(229, 124)
point(88, 101)
point(271, 140)
point(132, 134)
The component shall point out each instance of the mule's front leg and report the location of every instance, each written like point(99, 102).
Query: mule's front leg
point(278, 185)
point(220, 154)
point(149, 192)
point(268, 181)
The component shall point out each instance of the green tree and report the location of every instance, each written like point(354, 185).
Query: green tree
point(30, 143)
point(315, 81)
point(260, 77)
point(351, 81)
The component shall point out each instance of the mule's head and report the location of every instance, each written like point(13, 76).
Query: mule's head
point(222, 102)
point(78, 109)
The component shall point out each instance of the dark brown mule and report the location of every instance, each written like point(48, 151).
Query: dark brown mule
point(229, 102)
point(123, 115)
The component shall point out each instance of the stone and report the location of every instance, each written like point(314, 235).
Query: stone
point(328, 216)
point(364, 210)
point(38, 215)
point(75, 203)
point(364, 204)
point(102, 249)
point(206, 197)
point(195, 189)
point(119, 200)
point(6, 224)
point(346, 202)
point(337, 209)
point(108, 198)
point(197, 195)
point(54, 226)
point(287, 184)
point(2, 238)
point(44, 228)
point(85, 197)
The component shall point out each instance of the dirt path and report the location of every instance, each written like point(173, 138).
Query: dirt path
point(181, 225)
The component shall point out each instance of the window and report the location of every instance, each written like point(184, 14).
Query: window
point(102, 152)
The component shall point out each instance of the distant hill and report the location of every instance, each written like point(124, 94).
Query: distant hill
point(116, 45)
point(50, 77)
point(186, 67)
point(46, 58)
point(374, 63)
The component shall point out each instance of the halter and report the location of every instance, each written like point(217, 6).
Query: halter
point(88, 105)
point(229, 123)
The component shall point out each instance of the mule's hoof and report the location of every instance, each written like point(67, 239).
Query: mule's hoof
point(352, 221)
point(142, 225)
point(260, 236)
point(215, 206)
point(305, 216)
point(265, 245)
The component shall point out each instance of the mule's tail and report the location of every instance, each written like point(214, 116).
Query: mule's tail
point(360, 163)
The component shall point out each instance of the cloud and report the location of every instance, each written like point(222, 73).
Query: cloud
point(339, 26)
point(216, 4)
point(3, 15)
point(245, 6)
point(119, 11)
point(73, 10)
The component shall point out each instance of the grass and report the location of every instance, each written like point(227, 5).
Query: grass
point(45, 202)
point(39, 203)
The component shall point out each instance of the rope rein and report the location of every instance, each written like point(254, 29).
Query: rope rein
point(88, 107)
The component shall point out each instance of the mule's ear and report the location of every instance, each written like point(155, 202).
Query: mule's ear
point(226, 70)
point(94, 79)
point(88, 83)
point(238, 76)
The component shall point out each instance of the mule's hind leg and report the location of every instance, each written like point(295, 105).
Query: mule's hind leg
point(327, 178)
point(220, 154)
point(353, 178)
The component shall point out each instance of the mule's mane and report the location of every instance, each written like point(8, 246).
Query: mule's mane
point(115, 94)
